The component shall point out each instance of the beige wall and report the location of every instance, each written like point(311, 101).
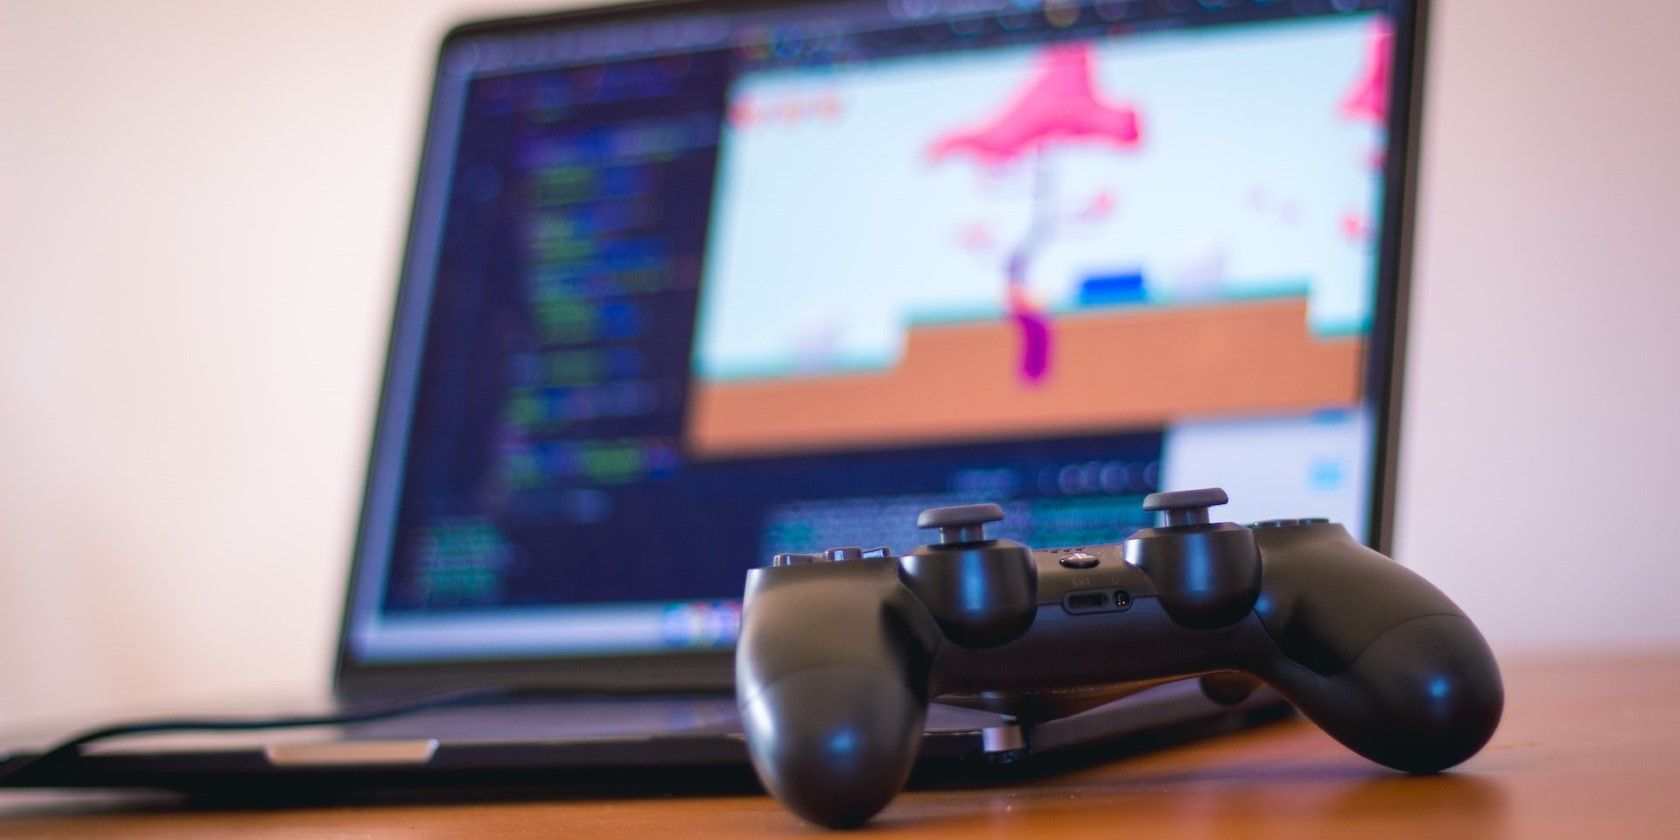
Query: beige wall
point(201, 206)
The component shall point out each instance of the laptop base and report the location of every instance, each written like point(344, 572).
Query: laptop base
point(598, 746)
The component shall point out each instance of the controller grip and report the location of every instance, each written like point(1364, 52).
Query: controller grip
point(832, 683)
point(1373, 653)
point(1424, 695)
point(835, 744)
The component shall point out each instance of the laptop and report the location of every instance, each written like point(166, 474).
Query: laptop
point(688, 284)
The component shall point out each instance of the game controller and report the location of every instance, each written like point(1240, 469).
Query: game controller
point(841, 651)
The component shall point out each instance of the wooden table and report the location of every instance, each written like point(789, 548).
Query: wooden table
point(1589, 747)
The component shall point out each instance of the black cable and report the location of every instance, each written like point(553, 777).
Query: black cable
point(71, 748)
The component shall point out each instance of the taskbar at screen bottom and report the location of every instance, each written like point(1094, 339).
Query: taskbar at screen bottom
point(1307, 465)
point(585, 630)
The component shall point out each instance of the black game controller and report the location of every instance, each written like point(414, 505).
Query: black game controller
point(841, 651)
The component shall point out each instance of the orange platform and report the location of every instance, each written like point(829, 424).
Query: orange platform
point(1110, 369)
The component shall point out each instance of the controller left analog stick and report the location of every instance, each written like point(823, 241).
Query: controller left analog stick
point(982, 591)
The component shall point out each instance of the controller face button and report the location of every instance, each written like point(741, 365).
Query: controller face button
point(1289, 523)
point(1078, 560)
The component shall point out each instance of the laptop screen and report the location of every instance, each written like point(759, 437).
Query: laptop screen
point(693, 285)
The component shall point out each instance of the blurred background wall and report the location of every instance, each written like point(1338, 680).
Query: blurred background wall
point(201, 211)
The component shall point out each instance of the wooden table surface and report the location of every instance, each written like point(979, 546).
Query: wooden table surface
point(1589, 747)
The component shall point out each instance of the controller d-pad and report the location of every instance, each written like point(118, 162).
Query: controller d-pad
point(852, 552)
point(795, 559)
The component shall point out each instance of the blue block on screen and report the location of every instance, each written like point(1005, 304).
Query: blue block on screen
point(1110, 289)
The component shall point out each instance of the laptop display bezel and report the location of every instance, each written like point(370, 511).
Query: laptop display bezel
point(710, 670)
